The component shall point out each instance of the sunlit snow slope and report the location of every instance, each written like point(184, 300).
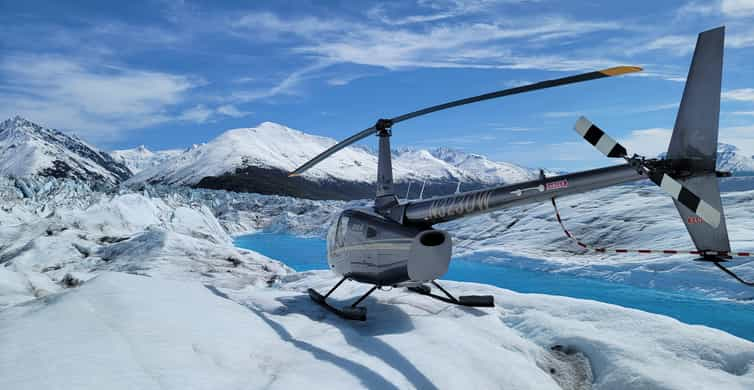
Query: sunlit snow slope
point(29, 149)
point(275, 146)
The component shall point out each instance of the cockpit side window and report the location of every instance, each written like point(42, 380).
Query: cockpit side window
point(371, 232)
point(340, 235)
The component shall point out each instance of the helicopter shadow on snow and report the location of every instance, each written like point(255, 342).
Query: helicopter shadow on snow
point(383, 319)
point(367, 376)
point(384, 316)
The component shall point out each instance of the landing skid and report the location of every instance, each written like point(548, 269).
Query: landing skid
point(359, 313)
point(463, 300)
point(352, 312)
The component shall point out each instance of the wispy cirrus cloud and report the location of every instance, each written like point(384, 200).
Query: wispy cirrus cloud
point(729, 8)
point(647, 142)
point(460, 44)
point(232, 111)
point(429, 10)
point(287, 85)
point(463, 45)
point(737, 8)
point(740, 136)
point(100, 100)
point(740, 95)
point(679, 45)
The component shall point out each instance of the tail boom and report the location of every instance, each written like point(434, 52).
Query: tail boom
point(447, 208)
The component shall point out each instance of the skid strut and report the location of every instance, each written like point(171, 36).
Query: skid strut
point(352, 312)
point(463, 300)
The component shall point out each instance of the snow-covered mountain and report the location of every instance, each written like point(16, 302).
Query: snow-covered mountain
point(268, 145)
point(731, 158)
point(141, 158)
point(250, 151)
point(28, 149)
point(481, 169)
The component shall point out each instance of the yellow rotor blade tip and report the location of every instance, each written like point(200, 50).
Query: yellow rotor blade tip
point(619, 70)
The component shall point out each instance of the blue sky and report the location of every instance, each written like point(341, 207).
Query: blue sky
point(168, 73)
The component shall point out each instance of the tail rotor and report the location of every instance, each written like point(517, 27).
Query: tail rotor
point(658, 171)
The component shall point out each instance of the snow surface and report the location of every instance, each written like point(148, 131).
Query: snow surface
point(127, 331)
point(29, 149)
point(145, 290)
point(71, 234)
point(141, 158)
point(271, 145)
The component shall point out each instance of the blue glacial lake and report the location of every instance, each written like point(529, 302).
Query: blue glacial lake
point(306, 253)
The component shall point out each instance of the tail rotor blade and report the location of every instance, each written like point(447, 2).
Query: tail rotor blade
point(599, 139)
point(610, 148)
point(709, 214)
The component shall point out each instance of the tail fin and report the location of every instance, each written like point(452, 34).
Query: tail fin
point(693, 146)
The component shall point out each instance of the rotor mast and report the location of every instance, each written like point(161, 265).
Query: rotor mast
point(385, 196)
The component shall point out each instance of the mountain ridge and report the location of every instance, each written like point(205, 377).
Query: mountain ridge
point(258, 159)
point(271, 145)
point(30, 149)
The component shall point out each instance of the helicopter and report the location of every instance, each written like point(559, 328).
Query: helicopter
point(394, 244)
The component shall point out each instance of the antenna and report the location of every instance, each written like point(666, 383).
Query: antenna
point(421, 194)
point(408, 191)
point(458, 188)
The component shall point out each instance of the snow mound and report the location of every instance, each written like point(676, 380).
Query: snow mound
point(153, 333)
point(44, 250)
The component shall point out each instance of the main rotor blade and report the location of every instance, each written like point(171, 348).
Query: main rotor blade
point(609, 72)
point(599, 139)
point(340, 145)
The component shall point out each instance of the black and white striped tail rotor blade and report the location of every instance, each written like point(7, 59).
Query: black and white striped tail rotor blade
point(610, 148)
point(599, 139)
point(693, 202)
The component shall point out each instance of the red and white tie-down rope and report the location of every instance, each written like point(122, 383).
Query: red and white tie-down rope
point(716, 261)
point(643, 251)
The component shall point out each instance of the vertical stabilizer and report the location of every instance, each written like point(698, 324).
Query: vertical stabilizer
point(695, 130)
point(693, 146)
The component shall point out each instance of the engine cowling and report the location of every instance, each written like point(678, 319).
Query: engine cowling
point(429, 256)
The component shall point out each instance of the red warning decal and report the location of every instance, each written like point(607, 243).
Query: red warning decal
point(694, 220)
point(555, 185)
